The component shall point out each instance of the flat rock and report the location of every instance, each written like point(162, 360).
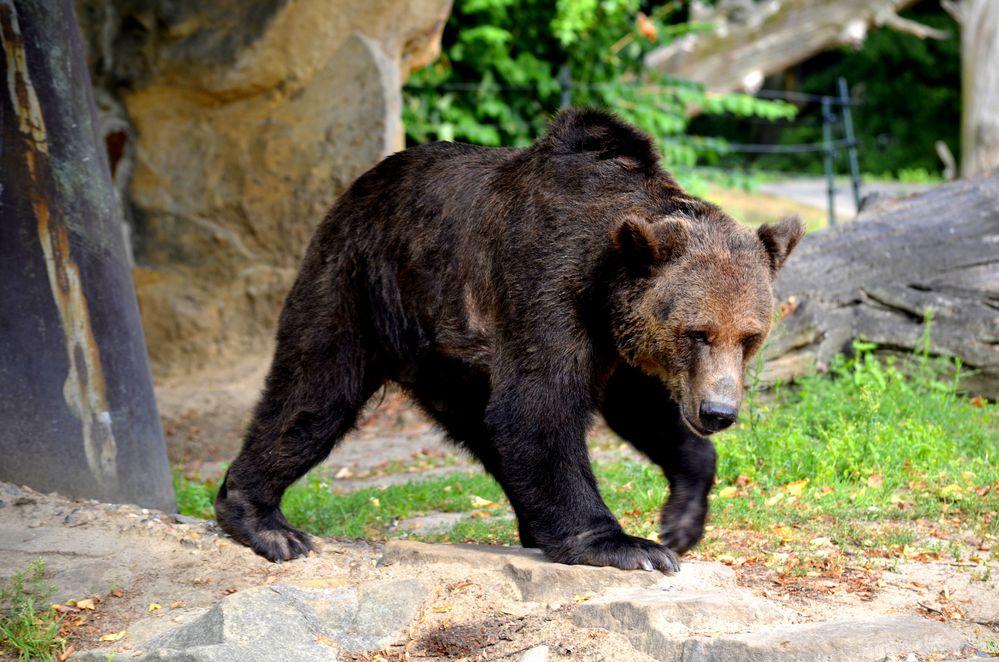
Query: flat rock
point(867, 640)
point(540, 580)
point(485, 557)
point(646, 614)
point(302, 623)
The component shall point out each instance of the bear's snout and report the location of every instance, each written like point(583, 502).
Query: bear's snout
point(716, 416)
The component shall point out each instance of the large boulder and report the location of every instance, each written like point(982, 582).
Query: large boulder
point(232, 126)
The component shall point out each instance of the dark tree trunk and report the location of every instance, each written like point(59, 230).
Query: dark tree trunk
point(874, 279)
point(77, 412)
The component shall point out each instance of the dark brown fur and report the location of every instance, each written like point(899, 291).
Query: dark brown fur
point(513, 293)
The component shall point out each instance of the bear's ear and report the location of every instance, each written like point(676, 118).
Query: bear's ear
point(780, 239)
point(644, 245)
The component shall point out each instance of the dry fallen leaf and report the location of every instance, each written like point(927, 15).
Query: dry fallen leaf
point(114, 636)
point(86, 603)
point(326, 641)
point(786, 533)
point(454, 588)
point(875, 480)
point(727, 492)
point(950, 491)
point(797, 487)
point(441, 609)
point(479, 502)
point(154, 606)
point(117, 593)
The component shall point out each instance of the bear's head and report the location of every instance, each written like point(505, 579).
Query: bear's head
point(696, 303)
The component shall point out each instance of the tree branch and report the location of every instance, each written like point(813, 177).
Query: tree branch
point(892, 20)
point(955, 9)
point(754, 43)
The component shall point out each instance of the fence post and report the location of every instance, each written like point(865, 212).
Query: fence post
point(851, 142)
point(565, 80)
point(827, 118)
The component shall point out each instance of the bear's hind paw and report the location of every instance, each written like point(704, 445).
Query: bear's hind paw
point(281, 544)
point(267, 533)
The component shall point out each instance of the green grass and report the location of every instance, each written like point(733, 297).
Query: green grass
point(864, 459)
point(28, 627)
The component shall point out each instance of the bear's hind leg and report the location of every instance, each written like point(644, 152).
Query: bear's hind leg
point(314, 391)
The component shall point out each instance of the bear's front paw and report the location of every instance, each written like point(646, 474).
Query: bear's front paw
point(267, 533)
point(614, 548)
point(681, 532)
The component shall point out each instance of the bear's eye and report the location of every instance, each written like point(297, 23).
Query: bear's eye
point(750, 341)
point(698, 337)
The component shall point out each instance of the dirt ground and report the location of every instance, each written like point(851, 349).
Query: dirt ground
point(205, 415)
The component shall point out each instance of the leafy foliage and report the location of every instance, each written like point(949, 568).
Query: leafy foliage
point(506, 64)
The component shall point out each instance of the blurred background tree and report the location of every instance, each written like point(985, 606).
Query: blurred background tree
point(909, 89)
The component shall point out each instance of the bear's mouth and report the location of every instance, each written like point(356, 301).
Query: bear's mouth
point(697, 429)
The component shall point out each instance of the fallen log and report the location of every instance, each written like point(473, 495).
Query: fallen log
point(880, 277)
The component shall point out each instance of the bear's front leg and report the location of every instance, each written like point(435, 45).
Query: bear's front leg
point(691, 473)
point(539, 427)
point(640, 409)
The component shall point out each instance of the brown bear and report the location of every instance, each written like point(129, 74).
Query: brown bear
point(514, 293)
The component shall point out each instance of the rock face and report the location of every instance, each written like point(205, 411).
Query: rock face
point(296, 623)
point(232, 126)
point(877, 278)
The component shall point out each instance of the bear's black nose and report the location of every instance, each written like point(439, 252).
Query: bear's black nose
point(716, 416)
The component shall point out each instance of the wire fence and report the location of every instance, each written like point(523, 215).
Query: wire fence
point(838, 135)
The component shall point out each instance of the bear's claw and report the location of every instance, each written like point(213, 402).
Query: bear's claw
point(616, 549)
point(266, 532)
point(281, 543)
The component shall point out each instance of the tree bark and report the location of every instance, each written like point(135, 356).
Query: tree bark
point(77, 411)
point(979, 20)
point(768, 37)
point(875, 278)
